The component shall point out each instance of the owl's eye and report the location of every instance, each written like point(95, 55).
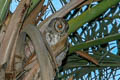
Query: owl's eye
point(59, 27)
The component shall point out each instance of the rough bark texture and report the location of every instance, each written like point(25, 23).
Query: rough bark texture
point(33, 15)
point(12, 30)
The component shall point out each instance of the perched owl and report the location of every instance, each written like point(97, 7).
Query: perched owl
point(56, 36)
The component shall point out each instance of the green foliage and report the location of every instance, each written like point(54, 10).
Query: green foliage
point(99, 37)
point(91, 14)
point(4, 7)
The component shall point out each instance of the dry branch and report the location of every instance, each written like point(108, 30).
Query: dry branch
point(61, 13)
point(31, 19)
point(41, 14)
point(88, 57)
point(12, 31)
point(32, 72)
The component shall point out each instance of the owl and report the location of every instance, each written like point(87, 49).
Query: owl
point(56, 29)
point(56, 37)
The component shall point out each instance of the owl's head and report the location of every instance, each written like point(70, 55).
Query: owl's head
point(58, 26)
point(56, 29)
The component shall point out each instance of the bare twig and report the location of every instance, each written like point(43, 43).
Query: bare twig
point(52, 7)
point(88, 57)
point(41, 14)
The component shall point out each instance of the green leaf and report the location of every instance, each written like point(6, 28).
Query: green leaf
point(91, 14)
point(4, 7)
point(94, 42)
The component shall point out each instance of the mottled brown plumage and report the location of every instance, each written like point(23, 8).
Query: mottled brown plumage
point(56, 36)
